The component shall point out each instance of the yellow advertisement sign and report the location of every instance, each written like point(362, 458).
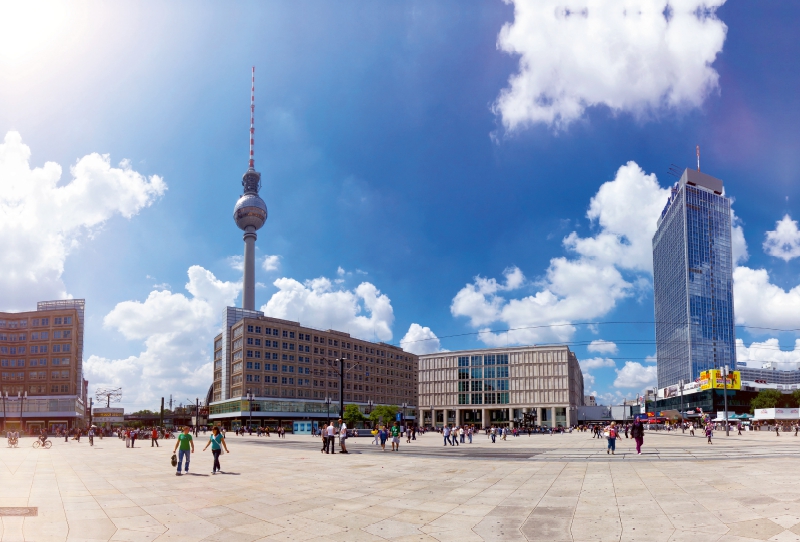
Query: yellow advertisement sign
point(713, 379)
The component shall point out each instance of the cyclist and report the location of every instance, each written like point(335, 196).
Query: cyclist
point(43, 436)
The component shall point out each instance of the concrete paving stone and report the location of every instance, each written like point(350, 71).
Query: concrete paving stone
point(547, 528)
point(760, 529)
point(601, 528)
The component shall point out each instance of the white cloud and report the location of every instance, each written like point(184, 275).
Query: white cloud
point(760, 303)
point(627, 56)
point(177, 332)
point(602, 347)
point(42, 219)
point(784, 241)
point(318, 303)
point(236, 263)
point(420, 340)
point(271, 263)
point(588, 383)
point(635, 375)
point(596, 363)
point(738, 244)
point(588, 286)
point(769, 351)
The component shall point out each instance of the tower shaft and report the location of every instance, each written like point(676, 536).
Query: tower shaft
point(249, 285)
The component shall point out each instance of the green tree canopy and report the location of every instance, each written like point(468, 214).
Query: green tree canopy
point(388, 412)
point(796, 396)
point(767, 399)
point(352, 415)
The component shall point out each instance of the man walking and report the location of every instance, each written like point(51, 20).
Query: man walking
point(445, 434)
point(331, 439)
point(396, 436)
point(91, 436)
point(186, 445)
point(342, 435)
point(154, 438)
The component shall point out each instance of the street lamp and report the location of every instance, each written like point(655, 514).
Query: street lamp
point(250, 398)
point(683, 425)
point(725, 397)
point(370, 404)
point(21, 398)
point(405, 406)
point(328, 404)
point(341, 371)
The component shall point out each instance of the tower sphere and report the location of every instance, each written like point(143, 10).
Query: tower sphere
point(250, 211)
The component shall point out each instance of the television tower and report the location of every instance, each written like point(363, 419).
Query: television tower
point(250, 212)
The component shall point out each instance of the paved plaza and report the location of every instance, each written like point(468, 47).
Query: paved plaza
point(550, 488)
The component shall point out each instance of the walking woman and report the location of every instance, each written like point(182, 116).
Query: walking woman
point(637, 434)
point(709, 432)
point(217, 442)
point(186, 448)
point(611, 435)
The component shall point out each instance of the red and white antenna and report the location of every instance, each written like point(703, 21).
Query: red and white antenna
point(252, 115)
point(698, 156)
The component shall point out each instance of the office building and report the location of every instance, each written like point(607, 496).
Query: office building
point(293, 372)
point(693, 282)
point(41, 367)
point(535, 385)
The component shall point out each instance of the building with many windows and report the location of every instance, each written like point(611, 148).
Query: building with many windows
point(538, 385)
point(41, 366)
point(693, 281)
point(293, 373)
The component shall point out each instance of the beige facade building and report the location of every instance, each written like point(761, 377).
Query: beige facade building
point(41, 366)
point(292, 372)
point(538, 385)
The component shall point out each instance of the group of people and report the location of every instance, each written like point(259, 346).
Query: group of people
point(329, 432)
point(184, 447)
point(261, 431)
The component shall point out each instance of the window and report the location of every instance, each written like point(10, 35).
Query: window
point(274, 355)
point(275, 332)
point(258, 354)
point(291, 334)
point(477, 360)
point(284, 368)
point(477, 398)
point(250, 340)
point(463, 361)
point(57, 321)
point(258, 342)
point(249, 329)
point(284, 380)
point(237, 367)
point(56, 334)
point(258, 329)
point(476, 385)
point(257, 366)
point(249, 353)
point(249, 365)
point(463, 374)
point(285, 346)
point(477, 372)
point(44, 335)
point(45, 321)
point(285, 333)
point(68, 320)
point(463, 398)
point(291, 346)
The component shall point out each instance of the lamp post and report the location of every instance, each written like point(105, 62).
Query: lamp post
point(370, 404)
point(341, 371)
point(250, 398)
point(4, 395)
point(725, 398)
point(680, 387)
point(405, 406)
point(328, 404)
point(21, 408)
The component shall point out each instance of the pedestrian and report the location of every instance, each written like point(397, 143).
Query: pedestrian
point(186, 445)
point(627, 428)
point(637, 434)
point(493, 432)
point(739, 428)
point(709, 432)
point(611, 436)
point(91, 436)
point(691, 429)
point(396, 437)
point(134, 433)
point(408, 435)
point(446, 435)
point(154, 438)
point(454, 436)
point(331, 443)
point(383, 434)
point(777, 434)
point(469, 434)
point(342, 435)
point(217, 442)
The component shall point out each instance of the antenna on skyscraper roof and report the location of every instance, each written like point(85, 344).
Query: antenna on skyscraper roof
point(698, 158)
point(252, 114)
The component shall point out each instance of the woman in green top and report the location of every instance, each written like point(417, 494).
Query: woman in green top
point(186, 447)
point(217, 442)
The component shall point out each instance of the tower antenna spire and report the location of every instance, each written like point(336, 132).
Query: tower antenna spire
point(253, 111)
point(251, 153)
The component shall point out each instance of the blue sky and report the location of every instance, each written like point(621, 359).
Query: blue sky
point(394, 170)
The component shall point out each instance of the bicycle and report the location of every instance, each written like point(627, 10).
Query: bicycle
point(37, 443)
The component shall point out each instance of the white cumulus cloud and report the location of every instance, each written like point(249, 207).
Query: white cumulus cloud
point(43, 218)
point(586, 286)
point(632, 56)
point(420, 340)
point(784, 241)
point(177, 331)
point(769, 351)
point(759, 303)
point(602, 347)
point(364, 312)
point(596, 363)
point(271, 263)
point(636, 376)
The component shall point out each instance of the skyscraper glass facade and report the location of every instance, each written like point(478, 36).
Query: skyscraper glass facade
point(693, 282)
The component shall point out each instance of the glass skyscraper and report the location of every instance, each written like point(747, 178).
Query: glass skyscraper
point(693, 281)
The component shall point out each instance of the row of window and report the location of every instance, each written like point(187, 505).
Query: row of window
point(33, 362)
point(483, 385)
point(483, 372)
point(12, 390)
point(35, 349)
point(483, 398)
point(37, 322)
point(486, 359)
point(34, 375)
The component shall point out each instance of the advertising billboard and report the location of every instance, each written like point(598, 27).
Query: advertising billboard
point(108, 415)
point(713, 379)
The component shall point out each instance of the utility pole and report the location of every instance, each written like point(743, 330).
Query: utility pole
point(341, 388)
point(91, 404)
point(725, 396)
point(161, 414)
point(196, 415)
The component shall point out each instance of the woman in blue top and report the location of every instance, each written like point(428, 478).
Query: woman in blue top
point(217, 442)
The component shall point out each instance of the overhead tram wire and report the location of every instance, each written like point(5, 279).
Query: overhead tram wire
point(574, 324)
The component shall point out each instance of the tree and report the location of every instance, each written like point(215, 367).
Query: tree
point(766, 399)
point(352, 415)
point(388, 412)
point(796, 396)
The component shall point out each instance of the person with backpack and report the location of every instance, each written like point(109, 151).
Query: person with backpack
point(217, 442)
point(611, 435)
